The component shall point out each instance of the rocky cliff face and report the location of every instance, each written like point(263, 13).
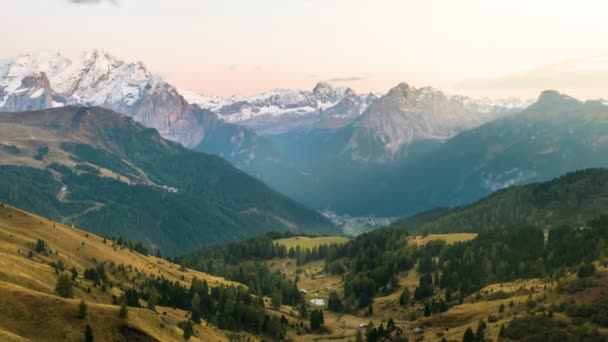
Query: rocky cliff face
point(407, 114)
point(35, 93)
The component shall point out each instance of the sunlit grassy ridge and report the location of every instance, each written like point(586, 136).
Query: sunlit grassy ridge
point(310, 242)
point(31, 310)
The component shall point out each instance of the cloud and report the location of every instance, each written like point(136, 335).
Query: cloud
point(350, 78)
point(233, 67)
point(587, 72)
point(90, 2)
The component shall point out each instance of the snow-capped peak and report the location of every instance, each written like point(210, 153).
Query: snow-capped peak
point(278, 110)
point(212, 103)
point(98, 78)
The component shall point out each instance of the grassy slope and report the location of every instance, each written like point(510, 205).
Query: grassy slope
point(310, 242)
point(448, 238)
point(30, 309)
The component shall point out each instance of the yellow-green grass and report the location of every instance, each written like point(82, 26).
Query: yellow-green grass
point(308, 242)
point(35, 316)
point(30, 308)
point(20, 230)
point(449, 238)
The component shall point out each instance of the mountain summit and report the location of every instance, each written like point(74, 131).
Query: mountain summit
point(46, 80)
point(281, 110)
point(407, 114)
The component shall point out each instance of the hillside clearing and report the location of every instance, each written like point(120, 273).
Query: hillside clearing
point(448, 238)
point(310, 242)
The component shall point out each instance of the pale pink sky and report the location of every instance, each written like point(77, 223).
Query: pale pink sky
point(223, 47)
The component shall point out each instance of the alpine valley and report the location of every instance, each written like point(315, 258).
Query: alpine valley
point(333, 149)
point(310, 145)
point(303, 171)
point(201, 216)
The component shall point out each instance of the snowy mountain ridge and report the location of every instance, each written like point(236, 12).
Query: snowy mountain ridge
point(96, 78)
point(275, 111)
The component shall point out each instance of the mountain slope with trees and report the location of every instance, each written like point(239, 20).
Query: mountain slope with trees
point(106, 173)
point(555, 135)
point(571, 200)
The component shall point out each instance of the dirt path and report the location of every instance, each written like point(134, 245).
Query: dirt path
point(95, 206)
point(61, 197)
point(285, 270)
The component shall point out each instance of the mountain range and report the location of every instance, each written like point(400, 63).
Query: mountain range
point(279, 111)
point(97, 78)
point(409, 150)
point(103, 171)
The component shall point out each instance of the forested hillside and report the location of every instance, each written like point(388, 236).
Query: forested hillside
point(570, 200)
point(104, 172)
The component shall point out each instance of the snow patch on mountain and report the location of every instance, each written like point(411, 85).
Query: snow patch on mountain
point(212, 103)
point(276, 110)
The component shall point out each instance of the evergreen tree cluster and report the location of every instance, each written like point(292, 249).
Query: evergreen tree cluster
point(372, 261)
point(243, 262)
point(227, 307)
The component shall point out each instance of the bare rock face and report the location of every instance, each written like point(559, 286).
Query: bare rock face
point(407, 114)
point(34, 93)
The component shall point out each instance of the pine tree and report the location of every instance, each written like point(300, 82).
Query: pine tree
point(195, 304)
point(359, 337)
point(82, 310)
point(480, 335)
point(316, 319)
point(123, 312)
point(188, 331)
point(303, 309)
point(152, 299)
point(276, 300)
point(334, 303)
point(501, 333)
point(404, 299)
point(469, 336)
point(40, 246)
point(64, 286)
point(390, 326)
point(88, 334)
